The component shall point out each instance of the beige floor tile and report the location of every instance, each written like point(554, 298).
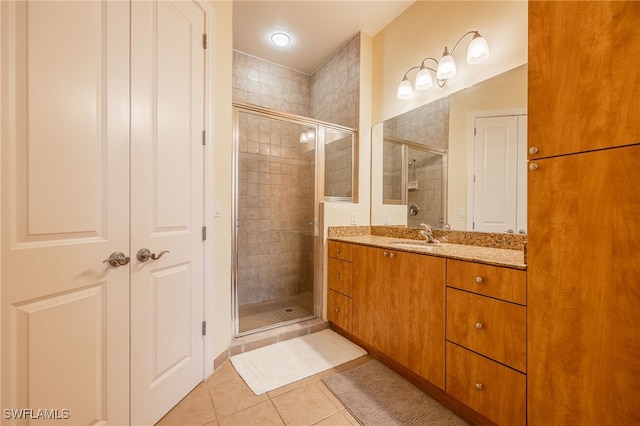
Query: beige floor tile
point(231, 394)
point(262, 414)
point(305, 405)
point(338, 419)
point(196, 409)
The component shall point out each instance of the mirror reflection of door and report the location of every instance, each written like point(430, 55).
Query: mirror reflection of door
point(499, 174)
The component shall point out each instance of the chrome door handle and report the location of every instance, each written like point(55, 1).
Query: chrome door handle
point(145, 254)
point(117, 258)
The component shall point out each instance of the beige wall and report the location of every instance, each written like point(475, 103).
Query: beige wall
point(220, 140)
point(425, 28)
point(507, 91)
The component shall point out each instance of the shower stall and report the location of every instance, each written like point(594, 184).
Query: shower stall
point(277, 160)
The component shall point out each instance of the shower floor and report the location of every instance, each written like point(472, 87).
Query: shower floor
point(270, 312)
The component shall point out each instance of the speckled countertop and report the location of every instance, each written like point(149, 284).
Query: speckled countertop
point(475, 253)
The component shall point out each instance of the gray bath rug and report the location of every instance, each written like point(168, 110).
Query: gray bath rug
point(376, 395)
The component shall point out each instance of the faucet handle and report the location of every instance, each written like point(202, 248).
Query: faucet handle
point(426, 227)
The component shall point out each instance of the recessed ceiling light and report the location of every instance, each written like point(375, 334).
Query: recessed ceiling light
point(280, 39)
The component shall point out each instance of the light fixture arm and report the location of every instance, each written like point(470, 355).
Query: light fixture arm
point(441, 82)
point(459, 41)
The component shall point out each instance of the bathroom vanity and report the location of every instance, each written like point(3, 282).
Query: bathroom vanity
point(449, 317)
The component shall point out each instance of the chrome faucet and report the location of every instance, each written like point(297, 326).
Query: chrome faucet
point(427, 233)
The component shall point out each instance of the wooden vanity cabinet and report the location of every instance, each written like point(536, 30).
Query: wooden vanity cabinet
point(339, 303)
point(486, 351)
point(398, 307)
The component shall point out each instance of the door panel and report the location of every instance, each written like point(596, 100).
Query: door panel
point(495, 172)
point(65, 208)
point(167, 101)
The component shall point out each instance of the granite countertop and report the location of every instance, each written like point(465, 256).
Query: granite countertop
point(487, 255)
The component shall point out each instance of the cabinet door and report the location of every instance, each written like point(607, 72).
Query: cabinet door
point(339, 276)
point(584, 289)
point(491, 327)
point(416, 315)
point(583, 75)
point(339, 310)
point(370, 280)
point(490, 388)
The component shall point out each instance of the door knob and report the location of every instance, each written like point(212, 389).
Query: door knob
point(117, 258)
point(145, 254)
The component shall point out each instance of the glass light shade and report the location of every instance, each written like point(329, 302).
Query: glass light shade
point(311, 134)
point(405, 90)
point(446, 66)
point(303, 137)
point(280, 39)
point(478, 50)
point(423, 79)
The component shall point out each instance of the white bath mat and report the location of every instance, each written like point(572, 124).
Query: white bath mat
point(276, 365)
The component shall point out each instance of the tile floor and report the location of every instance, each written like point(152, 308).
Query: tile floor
point(224, 399)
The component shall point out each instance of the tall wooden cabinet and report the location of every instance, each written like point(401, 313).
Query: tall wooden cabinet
point(583, 291)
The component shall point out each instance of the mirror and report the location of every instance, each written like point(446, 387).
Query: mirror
point(339, 165)
point(447, 126)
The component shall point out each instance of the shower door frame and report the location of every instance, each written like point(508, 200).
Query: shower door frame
point(238, 109)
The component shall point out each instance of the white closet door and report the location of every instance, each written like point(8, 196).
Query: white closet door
point(65, 208)
point(495, 174)
point(167, 105)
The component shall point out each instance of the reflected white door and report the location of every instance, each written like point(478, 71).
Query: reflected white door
point(496, 164)
point(65, 208)
point(167, 107)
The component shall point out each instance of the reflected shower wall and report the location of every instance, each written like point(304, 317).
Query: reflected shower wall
point(425, 188)
point(275, 213)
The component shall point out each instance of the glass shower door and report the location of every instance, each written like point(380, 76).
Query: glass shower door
point(275, 214)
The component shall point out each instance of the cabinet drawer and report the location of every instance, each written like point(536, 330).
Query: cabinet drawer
point(495, 391)
point(339, 250)
point(339, 310)
point(488, 326)
point(339, 276)
point(494, 281)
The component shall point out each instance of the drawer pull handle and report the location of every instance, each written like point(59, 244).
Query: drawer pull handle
point(337, 309)
point(337, 250)
point(479, 386)
point(479, 279)
point(338, 276)
point(479, 325)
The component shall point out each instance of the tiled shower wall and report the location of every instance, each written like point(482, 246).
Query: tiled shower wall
point(276, 172)
point(335, 87)
point(275, 199)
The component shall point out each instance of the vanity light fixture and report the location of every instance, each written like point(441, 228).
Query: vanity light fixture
point(280, 39)
point(477, 52)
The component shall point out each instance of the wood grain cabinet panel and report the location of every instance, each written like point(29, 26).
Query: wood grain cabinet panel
point(339, 250)
point(339, 276)
point(398, 307)
point(501, 283)
point(584, 79)
point(488, 326)
point(371, 297)
point(496, 391)
point(339, 310)
point(584, 289)
point(416, 314)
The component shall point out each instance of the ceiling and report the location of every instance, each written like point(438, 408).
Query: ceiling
point(317, 28)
